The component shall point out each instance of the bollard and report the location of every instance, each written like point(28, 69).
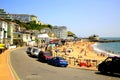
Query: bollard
point(74, 61)
point(70, 60)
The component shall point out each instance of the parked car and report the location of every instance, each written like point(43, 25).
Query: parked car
point(29, 50)
point(35, 51)
point(58, 61)
point(44, 56)
point(110, 64)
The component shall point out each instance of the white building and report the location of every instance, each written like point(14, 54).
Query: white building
point(4, 14)
point(60, 32)
point(3, 30)
point(24, 17)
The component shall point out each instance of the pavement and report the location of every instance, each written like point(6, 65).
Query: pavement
point(5, 70)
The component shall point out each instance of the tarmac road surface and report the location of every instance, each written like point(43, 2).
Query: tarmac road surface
point(28, 68)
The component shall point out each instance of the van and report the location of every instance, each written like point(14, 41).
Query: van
point(110, 64)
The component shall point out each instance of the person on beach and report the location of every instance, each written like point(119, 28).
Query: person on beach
point(81, 50)
point(64, 50)
point(85, 54)
point(88, 62)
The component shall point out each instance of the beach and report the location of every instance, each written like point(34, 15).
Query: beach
point(78, 53)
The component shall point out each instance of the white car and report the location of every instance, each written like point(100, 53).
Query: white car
point(35, 51)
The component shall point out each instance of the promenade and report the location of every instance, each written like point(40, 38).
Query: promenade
point(5, 71)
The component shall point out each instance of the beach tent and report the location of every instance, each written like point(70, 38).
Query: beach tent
point(44, 37)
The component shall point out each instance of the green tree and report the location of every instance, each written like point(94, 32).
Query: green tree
point(17, 21)
point(49, 26)
point(32, 25)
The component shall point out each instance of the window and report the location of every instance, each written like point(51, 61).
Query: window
point(18, 35)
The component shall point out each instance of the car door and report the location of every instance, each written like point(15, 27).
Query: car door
point(116, 64)
point(56, 61)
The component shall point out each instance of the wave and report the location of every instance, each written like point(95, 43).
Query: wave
point(106, 52)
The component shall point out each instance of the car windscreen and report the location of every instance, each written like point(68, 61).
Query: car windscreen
point(35, 50)
point(60, 58)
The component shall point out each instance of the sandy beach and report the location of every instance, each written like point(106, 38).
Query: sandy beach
point(79, 52)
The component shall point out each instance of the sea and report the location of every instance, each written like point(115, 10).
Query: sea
point(110, 48)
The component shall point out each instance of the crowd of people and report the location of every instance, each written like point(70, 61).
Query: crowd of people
point(82, 52)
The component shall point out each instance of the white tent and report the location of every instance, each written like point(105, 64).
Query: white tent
point(43, 36)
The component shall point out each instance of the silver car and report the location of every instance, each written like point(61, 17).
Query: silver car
point(35, 51)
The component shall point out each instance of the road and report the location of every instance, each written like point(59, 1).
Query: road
point(28, 68)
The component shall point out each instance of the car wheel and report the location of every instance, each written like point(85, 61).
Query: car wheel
point(102, 70)
point(56, 64)
point(65, 66)
point(111, 72)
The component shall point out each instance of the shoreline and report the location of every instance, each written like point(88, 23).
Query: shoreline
point(106, 53)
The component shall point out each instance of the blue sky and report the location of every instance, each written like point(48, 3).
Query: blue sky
point(82, 17)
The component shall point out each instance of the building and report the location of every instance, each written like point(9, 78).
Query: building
point(20, 17)
point(40, 23)
point(3, 14)
point(94, 37)
point(45, 30)
point(12, 27)
point(6, 31)
point(3, 30)
point(60, 32)
point(24, 17)
point(10, 32)
point(33, 18)
point(21, 38)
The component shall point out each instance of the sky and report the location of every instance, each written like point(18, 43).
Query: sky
point(82, 17)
